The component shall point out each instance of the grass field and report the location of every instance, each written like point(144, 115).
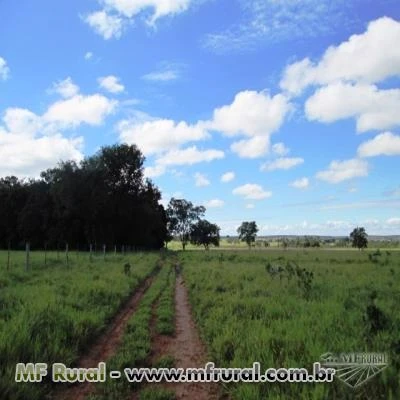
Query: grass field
point(283, 308)
point(51, 314)
point(246, 314)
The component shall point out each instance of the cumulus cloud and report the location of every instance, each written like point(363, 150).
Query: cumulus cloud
point(372, 108)
point(367, 58)
point(116, 14)
point(214, 203)
point(252, 191)
point(160, 135)
point(228, 177)
point(393, 221)
point(201, 180)
point(302, 183)
point(4, 69)
point(282, 163)
point(255, 115)
point(88, 55)
point(251, 148)
point(66, 88)
point(386, 144)
point(280, 149)
point(106, 25)
point(72, 112)
point(339, 171)
point(25, 150)
point(189, 156)
point(111, 83)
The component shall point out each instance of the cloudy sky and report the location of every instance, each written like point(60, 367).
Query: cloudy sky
point(286, 112)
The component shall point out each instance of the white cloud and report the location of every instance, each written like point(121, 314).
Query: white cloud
point(22, 121)
point(302, 183)
point(251, 114)
point(158, 136)
point(264, 22)
point(339, 171)
point(385, 143)
point(368, 57)
point(154, 171)
point(161, 76)
point(161, 8)
point(250, 206)
point(393, 221)
point(189, 156)
point(111, 84)
point(252, 192)
point(88, 55)
point(255, 115)
point(372, 108)
point(66, 88)
point(280, 149)
point(228, 177)
point(215, 203)
point(25, 150)
point(106, 25)
point(79, 109)
point(201, 180)
point(282, 163)
point(167, 72)
point(4, 69)
point(251, 148)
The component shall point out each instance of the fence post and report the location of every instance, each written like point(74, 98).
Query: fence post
point(66, 254)
point(115, 250)
point(90, 255)
point(8, 255)
point(45, 253)
point(104, 252)
point(27, 261)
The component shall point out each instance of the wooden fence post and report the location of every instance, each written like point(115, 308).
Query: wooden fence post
point(8, 255)
point(27, 261)
point(104, 252)
point(66, 254)
point(90, 255)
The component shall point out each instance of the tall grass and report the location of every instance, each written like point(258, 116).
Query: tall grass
point(247, 314)
point(51, 314)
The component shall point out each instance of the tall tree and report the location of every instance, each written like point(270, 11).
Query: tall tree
point(248, 232)
point(204, 233)
point(182, 215)
point(359, 238)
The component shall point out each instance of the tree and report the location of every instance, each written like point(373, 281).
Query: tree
point(181, 216)
point(248, 232)
point(359, 238)
point(204, 233)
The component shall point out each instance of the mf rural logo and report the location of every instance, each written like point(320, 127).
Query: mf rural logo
point(354, 369)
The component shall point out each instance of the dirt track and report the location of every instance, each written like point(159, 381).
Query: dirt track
point(105, 346)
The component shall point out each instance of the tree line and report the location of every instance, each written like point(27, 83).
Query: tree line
point(103, 200)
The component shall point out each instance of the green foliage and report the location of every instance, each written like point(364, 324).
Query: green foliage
point(204, 233)
point(359, 238)
point(181, 216)
point(247, 232)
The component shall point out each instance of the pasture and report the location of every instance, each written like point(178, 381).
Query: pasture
point(283, 308)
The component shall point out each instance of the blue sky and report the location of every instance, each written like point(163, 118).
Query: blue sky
point(285, 112)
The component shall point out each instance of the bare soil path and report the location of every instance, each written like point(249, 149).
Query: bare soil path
point(104, 347)
point(187, 349)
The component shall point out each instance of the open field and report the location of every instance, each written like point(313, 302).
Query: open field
point(246, 309)
point(245, 314)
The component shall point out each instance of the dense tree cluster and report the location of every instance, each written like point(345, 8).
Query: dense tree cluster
point(105, 199)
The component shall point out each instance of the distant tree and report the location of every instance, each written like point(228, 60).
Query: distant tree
point(181, 216)
point(204, 233)
point(359, 238)
point(248, 232)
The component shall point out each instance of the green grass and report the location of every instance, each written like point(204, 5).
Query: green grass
point(246, 314)
point(51, 314)
point(136, 344)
